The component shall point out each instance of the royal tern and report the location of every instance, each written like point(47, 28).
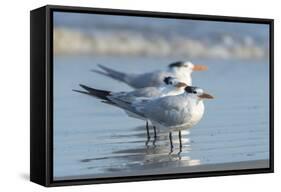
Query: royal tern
point(181, 70)
point(171, 87)
point(171, 113)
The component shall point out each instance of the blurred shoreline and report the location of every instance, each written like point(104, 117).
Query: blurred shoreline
point(68, 41)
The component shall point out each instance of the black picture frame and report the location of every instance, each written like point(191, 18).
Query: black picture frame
point(41, 100)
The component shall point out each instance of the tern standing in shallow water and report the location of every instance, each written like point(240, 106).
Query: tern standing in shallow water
point(171, 113)
point(181, 70)
point(171, 87)
point(175, 113)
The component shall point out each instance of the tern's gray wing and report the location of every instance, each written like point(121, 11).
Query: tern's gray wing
point(128, 105)
point(114, 74)
point(147, 92)
point(153, 79)
point(167, 111)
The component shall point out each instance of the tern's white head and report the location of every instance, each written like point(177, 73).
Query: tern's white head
point(183, 70)
point(197, 93)
point(186, 67)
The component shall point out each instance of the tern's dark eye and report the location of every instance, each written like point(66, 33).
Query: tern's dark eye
point(190, 89)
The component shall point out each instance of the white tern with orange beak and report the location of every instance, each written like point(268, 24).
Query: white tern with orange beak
point(181, 70)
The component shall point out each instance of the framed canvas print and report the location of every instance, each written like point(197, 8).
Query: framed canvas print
point(119, 95)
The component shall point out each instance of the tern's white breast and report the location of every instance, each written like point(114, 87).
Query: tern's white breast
point(192, 115)
point(197, 112)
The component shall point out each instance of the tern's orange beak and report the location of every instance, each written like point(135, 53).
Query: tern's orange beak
point(200, 68)
point(206, 96)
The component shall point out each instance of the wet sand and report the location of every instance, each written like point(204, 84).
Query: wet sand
point(191, 169)
point(92, 139)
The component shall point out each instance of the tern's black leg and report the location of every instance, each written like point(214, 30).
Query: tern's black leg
point(148, 134)
point(171, 142)
point(180, 143)
point(180, 140)
point(155, 135)
point(147, 129)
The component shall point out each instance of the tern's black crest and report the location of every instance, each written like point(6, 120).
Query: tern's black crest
point(190, 89)
point(168, 80)
point(176, 64)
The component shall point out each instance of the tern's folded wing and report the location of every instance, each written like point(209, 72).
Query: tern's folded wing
point(126, 104)
point(147, 92)
point(168, 111)
point(153, 79)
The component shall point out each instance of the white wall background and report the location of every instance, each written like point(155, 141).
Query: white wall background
point(14, 94)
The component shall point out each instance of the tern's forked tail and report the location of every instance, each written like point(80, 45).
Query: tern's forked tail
point(101, 94)
point(117, 75)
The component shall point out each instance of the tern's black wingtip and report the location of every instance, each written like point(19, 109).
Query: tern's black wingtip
point(83, 86)
point(79, 91)
point(101, 66)
point(99, 72)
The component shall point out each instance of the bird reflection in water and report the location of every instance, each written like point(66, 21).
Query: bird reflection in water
point(156, 138)
point(157, 153)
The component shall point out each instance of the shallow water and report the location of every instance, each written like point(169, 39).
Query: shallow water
point(92, 138)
